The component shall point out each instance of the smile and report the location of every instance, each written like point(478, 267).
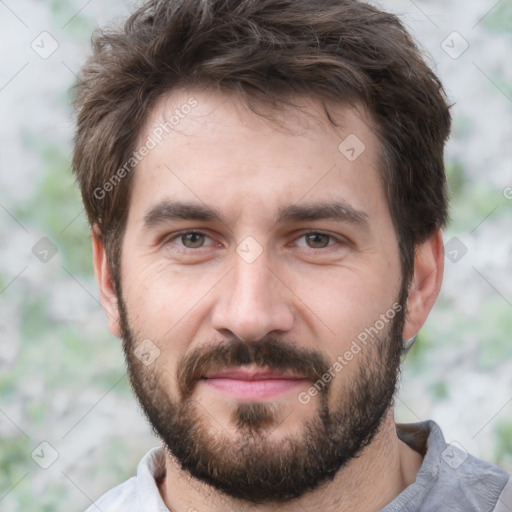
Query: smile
point(245, 384)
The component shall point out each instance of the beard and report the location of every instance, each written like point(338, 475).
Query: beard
point(250, 466)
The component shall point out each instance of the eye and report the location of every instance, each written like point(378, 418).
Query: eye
point(189, 239)
point(317, 240)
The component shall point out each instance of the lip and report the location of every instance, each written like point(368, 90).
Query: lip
point(252, 384)
point(248, 374)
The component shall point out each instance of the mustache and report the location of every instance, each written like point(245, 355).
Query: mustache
point(268, 353)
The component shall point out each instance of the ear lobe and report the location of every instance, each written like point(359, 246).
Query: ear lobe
point(105, 283)
point(426, 283)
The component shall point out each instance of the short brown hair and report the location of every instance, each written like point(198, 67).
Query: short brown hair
point(338, 51)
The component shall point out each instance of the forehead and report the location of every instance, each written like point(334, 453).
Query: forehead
point(211, 147)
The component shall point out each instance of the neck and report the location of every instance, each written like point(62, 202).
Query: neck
point(383, 470)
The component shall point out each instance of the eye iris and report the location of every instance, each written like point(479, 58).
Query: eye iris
point(192, 240)
point(315, 238)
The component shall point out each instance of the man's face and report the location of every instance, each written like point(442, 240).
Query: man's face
point(295, 281)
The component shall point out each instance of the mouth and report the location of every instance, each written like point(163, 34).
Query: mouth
point(252, 384)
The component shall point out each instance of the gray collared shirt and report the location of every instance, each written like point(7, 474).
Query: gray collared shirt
point(449, 480)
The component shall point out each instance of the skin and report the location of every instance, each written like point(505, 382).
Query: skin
point(225, 156)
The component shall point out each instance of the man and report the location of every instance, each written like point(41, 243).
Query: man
point(265, 185)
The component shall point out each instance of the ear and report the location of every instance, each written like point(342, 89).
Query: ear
point(426, 283)
point(105, 283)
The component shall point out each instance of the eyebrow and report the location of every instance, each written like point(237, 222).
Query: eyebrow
point(337, 210)
point(172, 210)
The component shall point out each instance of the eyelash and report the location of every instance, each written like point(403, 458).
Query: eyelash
point(184, 249)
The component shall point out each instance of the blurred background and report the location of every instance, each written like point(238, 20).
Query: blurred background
point(69, 426)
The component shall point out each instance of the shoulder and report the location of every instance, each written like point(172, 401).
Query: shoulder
point(122, 497)
point(474, 484)
point(138, 493)
point(464, 478)
point(450, 479)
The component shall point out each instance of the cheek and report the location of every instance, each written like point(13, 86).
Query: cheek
point(343, 302)
point(160, 296)
point(168, 308)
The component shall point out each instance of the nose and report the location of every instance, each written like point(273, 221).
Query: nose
point(253, 302)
